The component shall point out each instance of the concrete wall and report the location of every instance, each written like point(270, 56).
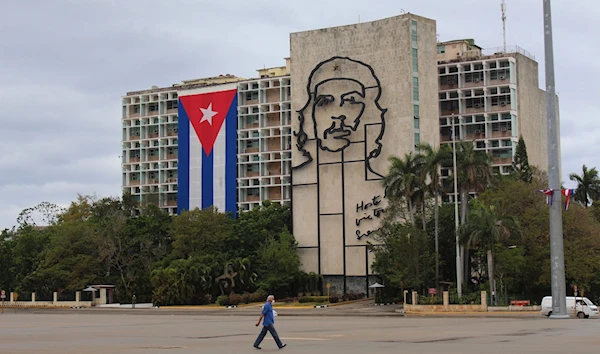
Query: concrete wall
point(531, 108)
point(336, 178)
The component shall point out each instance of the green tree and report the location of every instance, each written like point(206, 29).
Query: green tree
point(279, 263)
point(402, 256)
point(200, 232)
point(484, 230)
point(521, 162)
point(402, 180)
point(588, 186)
point(431, 169)
point(474, 174)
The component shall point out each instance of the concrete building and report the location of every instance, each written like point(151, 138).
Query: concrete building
point(264, 138)
point(493, 97)
point(363, 92)
point(150, 141)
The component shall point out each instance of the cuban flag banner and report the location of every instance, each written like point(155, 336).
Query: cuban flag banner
point(549, 195)
point(568, 193)
point(207, 148)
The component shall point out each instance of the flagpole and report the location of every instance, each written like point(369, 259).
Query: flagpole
point(557, 257)
point(458, 259)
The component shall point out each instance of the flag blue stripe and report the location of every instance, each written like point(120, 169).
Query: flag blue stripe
point(231, 158)
point(207, 179)
point(183, 163)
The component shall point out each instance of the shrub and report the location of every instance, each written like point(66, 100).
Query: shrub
point(258, 296)
point(306, 299)
point(246, 298)
point(235, 299)
point(205, 300)
point(334, 299)
point(223, 300)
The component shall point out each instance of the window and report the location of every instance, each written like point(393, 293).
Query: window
point(448, 80)
point(474, 103)
point(171, 104)
point(136, 109)
point(502, 100)
point(501, 74)
point(441, 49)
point(153, 107)
point(252, 119)
point(416, 110)
point(252, 167)
point(473, 77)
point(417, 139)
point(252, 96)
point(415, 88)
point(251, 144)
point(506, 116)
point(415, 60)
point(416, 123)
point(253, 192)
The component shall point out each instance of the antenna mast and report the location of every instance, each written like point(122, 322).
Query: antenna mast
point(503, 7)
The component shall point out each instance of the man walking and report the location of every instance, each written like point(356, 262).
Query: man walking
point(268, 324)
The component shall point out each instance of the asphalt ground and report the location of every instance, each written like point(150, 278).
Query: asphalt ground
point(193, 331)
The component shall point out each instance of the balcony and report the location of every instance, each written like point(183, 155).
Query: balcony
point(153, 158)
point(502, 160)
point(169, 203)
point(153, 181)
point(171, 133)
point(171, 180)
point(502, 133)
point(252, 173)
point(171, 156)
point(134, 137)
point(253, 198)
point(134, 159)
point(134, 182)
point(172, 110)
point(250, 150)
point(153, 135)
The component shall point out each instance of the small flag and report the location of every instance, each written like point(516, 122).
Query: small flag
point(549, 195)
point(568, 193)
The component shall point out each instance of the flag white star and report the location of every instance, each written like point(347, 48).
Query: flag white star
point(208, 114)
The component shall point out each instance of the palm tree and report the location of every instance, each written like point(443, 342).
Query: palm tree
point(474, 174)
point(402, 180)
point(485, 229)
point(432, 160)
point(588, 186)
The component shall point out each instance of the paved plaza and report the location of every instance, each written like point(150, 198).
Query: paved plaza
point(145, 331)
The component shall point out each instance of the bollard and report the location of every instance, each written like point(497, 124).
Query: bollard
point(133, 302)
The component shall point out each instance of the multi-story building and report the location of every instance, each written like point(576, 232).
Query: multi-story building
point(150, 141)
point(264, 138)
point(493, 98)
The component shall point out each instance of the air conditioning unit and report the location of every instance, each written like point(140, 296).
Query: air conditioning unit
point(477, 105)
point(477, 130)
point(476, 79)
point(450, 82)
point(503, 103)
point(502, 77)
point(504, 129)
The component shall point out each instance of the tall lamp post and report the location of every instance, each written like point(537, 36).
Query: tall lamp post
point(557, 257)
point(458, 258)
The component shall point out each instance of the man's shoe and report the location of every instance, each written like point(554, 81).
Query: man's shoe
point(283, 346)
point(256, 347)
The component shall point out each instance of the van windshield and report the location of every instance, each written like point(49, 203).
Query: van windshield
point(587, 301)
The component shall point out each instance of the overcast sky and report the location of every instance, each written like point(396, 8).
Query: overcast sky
point(64, 66)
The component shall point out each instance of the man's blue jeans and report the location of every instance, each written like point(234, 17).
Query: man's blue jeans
point(263, 333)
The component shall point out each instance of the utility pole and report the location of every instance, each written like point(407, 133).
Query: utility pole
point(557, 256)
point(458, 258)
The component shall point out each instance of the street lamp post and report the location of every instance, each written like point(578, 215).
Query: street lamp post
point(557, 261)
point(458, 258)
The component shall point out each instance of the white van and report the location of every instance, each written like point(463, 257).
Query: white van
point(585, 308)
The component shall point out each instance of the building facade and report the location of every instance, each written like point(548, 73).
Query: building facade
point(492, 99)
point(361, 93)
point(264, 138)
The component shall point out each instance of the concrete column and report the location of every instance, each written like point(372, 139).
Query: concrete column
point(415, 298)
point(484, 300)
point(446, 298)
point(405, 295)
point(32, 297)
point(77, 297)
point(12, 297)
point(54, 298)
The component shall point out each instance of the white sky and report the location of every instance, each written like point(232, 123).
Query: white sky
point(64, 66)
